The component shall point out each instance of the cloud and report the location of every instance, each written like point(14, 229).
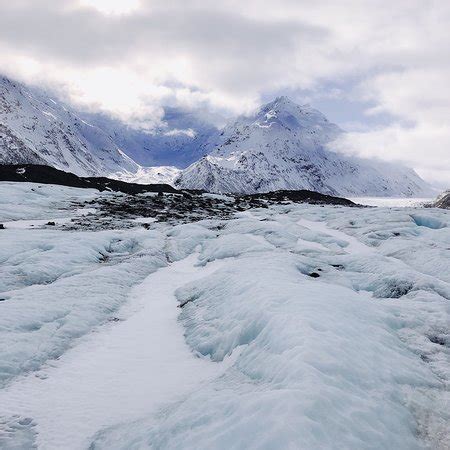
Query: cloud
point(423, 146)
point(176, 132)
point(113, 7)
point(418, 99)
point(128, 58)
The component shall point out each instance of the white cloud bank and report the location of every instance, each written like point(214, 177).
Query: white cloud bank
point(130, 57)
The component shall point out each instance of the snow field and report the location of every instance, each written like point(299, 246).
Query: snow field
point(122, 372)
point(304, 327)
point(320, 362)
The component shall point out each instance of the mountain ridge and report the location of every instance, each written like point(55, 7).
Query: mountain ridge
point(281, 145)
point(35, 128)
point(178, 142)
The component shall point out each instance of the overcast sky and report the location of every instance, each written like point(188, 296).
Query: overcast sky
point(378, 68)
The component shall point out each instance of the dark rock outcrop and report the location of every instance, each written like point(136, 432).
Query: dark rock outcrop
point(49, 175)
point(443, 201)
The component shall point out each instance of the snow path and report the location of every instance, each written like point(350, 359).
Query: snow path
point(120, 373)
point(354, 245)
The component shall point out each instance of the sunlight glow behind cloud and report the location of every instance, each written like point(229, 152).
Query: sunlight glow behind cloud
point(112, 6)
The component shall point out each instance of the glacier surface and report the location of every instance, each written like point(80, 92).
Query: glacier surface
point(292, 326)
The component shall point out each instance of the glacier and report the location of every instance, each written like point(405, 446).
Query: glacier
point(285, 326)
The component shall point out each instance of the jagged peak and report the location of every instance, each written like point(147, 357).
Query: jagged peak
point(287, 113)
point(282, 100)
point(284, 103)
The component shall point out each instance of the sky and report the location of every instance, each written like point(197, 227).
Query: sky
point(378, 68)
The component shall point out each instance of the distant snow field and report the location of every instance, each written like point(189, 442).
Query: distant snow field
point(292, 326)
point(392, 202)
point(150, 175)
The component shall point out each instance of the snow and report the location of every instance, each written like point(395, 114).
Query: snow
point(177, 141)
point(20, 201)
point(58, 285)
point(105, 379)
point(281, 146)
point(319, 363)
point(37, 130)
point(292, 326)
point(286, 146)
point(350, 244)
point(24, 224)
point(144, 220)
point(284, 370)
point(391, 201)
point(150, 175)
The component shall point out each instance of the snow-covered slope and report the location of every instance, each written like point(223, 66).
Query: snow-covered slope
point(284, 146)
point(179, 141)
point(150, 175)
point(36, 129)
point(281, 146)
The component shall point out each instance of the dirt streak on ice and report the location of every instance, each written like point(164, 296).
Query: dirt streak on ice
point(120, 373)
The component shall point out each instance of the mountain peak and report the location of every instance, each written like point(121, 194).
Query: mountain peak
point(282, 100)
point(284, 112)
point(284, 146)
point(280, 103)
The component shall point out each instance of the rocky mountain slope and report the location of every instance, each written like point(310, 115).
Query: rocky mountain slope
point(36, 129)
point(284, 146)
point(442, 201)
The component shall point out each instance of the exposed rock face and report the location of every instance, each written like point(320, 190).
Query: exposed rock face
point(443, 201)
point(49, 175)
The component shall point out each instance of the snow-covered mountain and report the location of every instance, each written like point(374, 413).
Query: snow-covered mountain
point(36, 129)
point(281, 146)
point(284, 146)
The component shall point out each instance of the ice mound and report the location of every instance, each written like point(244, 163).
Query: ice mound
point(427, 221)
point(232, 245)
point(317, 365)
point(38, 201)
point(56, 292)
